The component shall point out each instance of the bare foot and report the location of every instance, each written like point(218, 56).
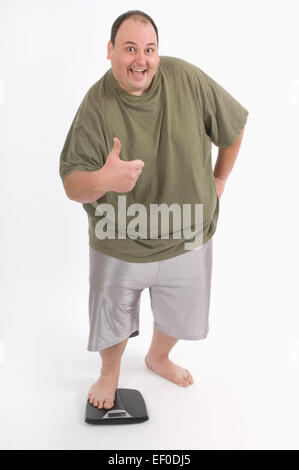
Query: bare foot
point(168, 369)
point(102, 392)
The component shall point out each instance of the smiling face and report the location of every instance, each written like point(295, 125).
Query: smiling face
point(135, 49)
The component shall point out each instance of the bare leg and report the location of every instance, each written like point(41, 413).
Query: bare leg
point(157, 360)
point(102, 392)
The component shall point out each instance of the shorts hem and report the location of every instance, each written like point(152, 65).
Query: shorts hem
point(99, 348)
point(187, 338)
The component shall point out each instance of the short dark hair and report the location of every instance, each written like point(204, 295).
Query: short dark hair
point(137, 15)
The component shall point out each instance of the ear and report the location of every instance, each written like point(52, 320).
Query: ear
point(109, 47)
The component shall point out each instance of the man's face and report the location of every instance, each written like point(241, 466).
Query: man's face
point(135, 48)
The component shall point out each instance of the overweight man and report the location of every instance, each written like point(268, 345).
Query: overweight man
point(141, 139)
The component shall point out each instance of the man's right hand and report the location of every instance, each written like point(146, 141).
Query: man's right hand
point(119, 175)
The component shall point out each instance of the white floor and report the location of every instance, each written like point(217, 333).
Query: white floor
point(245, 392)
point(246, 373)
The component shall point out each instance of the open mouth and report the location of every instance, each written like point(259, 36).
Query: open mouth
point(138, 72)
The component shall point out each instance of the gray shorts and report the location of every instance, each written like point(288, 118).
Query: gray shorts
point(179, 290)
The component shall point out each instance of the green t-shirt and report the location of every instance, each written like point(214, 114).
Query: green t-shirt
point(171, 128)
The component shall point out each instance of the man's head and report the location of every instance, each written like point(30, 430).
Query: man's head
point(134, 46)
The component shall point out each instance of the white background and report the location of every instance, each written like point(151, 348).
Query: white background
point(246, 373)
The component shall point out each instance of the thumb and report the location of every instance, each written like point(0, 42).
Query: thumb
point(116, 147)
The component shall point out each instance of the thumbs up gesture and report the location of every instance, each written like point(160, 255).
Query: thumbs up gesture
point(119, 175)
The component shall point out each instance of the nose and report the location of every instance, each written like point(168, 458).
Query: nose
point(140, 58)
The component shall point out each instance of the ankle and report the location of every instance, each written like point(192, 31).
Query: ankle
point(154, 356)
point(110, 371)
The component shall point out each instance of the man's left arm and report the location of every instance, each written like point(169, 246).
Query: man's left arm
point(224, 164)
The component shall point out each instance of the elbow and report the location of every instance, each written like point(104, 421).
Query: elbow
point(67, 191)
point(67, 187)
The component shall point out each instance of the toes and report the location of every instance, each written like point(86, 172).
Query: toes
point(189, 377)
point(99, 403)
point(108, 404)
point(187, 380)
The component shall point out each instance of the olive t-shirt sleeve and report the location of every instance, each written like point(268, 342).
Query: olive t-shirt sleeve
point(224, 116)
point(84, 147)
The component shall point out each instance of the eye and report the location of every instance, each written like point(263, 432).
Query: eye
point(150, 49)
point(130, 47)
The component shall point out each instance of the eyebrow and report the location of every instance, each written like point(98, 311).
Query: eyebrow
point(135, 44)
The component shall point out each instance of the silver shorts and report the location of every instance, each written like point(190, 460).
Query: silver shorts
point(179, 290)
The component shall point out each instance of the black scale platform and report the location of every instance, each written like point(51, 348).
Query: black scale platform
point(129, 407)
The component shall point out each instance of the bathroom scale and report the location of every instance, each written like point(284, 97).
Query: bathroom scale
point(129, 407)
